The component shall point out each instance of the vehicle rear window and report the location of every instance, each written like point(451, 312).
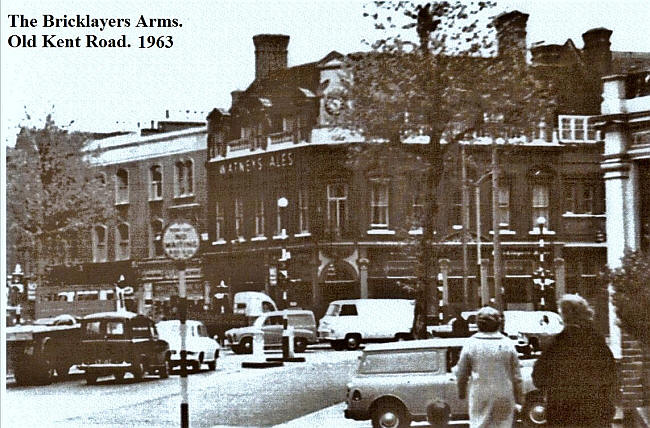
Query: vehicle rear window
point(424, 361)
point(140, 329)
point(300, 319)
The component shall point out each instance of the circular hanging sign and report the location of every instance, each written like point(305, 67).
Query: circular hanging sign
point(180, 240)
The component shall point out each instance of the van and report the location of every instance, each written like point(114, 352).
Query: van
point(271, 324)
point(348, 323)
point(253, 303)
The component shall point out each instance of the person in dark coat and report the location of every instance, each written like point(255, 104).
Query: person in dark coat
point(577, 370)
point(459, 326)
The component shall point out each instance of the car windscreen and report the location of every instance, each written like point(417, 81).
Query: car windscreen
point(424, 361)
point(333, 310)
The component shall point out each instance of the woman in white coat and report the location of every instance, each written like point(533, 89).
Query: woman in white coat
point(490, 366)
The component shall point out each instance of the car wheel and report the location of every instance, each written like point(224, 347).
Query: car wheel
point(138, 370)
point(352, 342)
point(299, 344)
point(338, 345)
point(91, 379)
point(246, 345)
point(164, 370)
point(119, 376)
point(390, 415)
point(534, 411)
point(212, 365)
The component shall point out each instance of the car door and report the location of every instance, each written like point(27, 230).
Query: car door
point(272, 329)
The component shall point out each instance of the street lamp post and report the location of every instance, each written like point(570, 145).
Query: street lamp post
point(283, 272)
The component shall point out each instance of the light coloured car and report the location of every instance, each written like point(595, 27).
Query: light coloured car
point(201, 349)
point(399, 382)
point(271, 324)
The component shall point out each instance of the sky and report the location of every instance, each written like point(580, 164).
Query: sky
point(107, 89)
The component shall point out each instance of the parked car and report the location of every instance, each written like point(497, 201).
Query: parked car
point(396, 383)
point(114, 343)
point(271, 324)
point(348, 323)
point(199, 347)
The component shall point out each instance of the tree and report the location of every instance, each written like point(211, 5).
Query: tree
point(53, 194)
point(632, 294)
point(449, 85)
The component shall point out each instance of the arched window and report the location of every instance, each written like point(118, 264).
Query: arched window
point(121, 187)
point(155, 183)
point(99, 244)
point(155, 238)
point(184, 181)
point(122, 242)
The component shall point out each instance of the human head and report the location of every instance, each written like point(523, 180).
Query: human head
point(575, 310)
point(488, 319)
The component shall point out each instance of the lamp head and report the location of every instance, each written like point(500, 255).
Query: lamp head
point(283, 202)
point(541, 221)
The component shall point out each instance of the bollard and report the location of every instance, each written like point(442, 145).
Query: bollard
point(257, 361)
point(258, 346)
point(287, 345)
point(290, 334)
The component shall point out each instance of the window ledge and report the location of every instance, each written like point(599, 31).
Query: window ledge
point(219, 242)
point(380, 232)
point(417, 231)
point(117, 204)
point(544, 232)
point(156, 199)
point(184, 196)
point(280, 237)
point(238, 240)
point(504, 232)
point(583, 215)
point(258, 238)
point(302, 234)
point(181, 206)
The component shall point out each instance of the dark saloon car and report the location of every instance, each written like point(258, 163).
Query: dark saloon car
point(114, 343)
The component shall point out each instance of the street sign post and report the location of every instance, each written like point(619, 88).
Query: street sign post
point(181, 242)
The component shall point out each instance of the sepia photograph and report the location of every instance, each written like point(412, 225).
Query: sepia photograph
point(325, 213)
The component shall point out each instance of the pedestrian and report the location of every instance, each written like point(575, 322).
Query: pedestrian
point(489, 365)
point(459, 326)
point(577, 370)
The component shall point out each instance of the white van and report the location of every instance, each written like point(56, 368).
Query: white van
point(253, 303)
point(348, 323)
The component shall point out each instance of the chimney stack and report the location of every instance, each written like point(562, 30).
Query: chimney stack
point(270, 54)
point(596, 51)
point(235, 97)
point(511, 32)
